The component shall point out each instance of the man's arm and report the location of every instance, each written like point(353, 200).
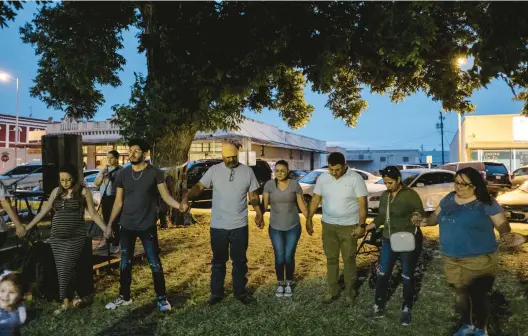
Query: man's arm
point(166, 196)
point(100, 177)
point(363, 209)
point(314, 205)
point(195, 191)
point(255, 202)
point(116, 209)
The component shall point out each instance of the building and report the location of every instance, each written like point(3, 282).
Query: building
point(501, 138)
point(28, 148)
point(259, 140)
point(374, 160)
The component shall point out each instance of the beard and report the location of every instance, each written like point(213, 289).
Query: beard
point(136, 161)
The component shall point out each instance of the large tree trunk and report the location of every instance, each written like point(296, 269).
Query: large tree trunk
point(172, 152)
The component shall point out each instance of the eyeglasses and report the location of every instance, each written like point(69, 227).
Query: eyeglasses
point(232, 175)
point(463, 184)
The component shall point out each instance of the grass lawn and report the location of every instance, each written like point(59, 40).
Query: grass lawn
point(186, 259)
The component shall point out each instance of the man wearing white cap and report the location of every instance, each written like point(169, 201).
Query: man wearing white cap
point(231, 182)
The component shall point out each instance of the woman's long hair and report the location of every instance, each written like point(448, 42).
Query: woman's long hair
point(481, 190)
point(77, 187)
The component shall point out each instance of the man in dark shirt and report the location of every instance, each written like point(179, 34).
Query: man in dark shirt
point(136, 199)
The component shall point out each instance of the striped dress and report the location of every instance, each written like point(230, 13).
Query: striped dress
point(67, 239)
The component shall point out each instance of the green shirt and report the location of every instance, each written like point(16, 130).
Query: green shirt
point(402, 207)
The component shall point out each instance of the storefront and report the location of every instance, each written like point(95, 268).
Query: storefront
point(498, 138)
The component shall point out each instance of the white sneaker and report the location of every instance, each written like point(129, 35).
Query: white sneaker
point(280, 291)
point(115, 249)
point(288, 291)
point(119, 301)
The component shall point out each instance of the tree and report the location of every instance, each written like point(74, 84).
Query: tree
point(209, 61)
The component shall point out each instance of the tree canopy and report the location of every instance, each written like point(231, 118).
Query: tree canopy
point(210, 61)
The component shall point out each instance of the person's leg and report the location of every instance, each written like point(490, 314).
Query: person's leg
point(348, 247)
point(149, 239)
point(238, 241)
point(408, 260)
point(387, 261)
point(220, 248)
point(479, 292)
point(84, 272)
point(331, 250)
point(278, 242)
point(292, 238)
point(128, 244)
point(463, 304)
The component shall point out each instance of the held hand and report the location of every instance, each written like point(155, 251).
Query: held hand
point(20, 231)
point(423, 222)
point(108, 232)
point(309, 227)
point(184, 207)
point(417, 218)
point(359, 232)
point(513, 239)
point(259, 221)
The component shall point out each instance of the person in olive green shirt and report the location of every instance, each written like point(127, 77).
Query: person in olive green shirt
point(401, 210)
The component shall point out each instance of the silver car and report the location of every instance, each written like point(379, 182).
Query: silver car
point(431, 184)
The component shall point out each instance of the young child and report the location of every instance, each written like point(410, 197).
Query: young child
point(12, 312)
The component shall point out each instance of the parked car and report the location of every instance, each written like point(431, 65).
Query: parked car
point(308, 182)
point(519, 176)
point(297, 174)
point(431, 184)
point(515, 203)
point(197, 169)
point(28, 176)
point(88, 172)
point(408, 166)
point(494, 173)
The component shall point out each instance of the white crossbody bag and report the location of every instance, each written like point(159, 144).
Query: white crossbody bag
point(400, 241)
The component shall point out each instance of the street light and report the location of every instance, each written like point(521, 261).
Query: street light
point(5, 77)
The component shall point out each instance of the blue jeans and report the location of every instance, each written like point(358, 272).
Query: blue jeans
point(388, 259)
point(229, 243)
point(284, 245)
point(149, 240)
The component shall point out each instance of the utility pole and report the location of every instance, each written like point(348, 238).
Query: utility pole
point(440, 126)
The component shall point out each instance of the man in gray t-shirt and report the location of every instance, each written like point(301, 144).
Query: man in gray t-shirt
point(136, 199)
point(231, 182)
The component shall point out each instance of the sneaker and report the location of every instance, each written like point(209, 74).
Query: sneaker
point(279, 292)
point(465, 330)
point(163, 304)
point(115, 249)
point(288, 291)
point(119, 301)
point(405, 318)
point(329, 298)
point(480, 332)
point(245, 299)
point(214, 300)
point(377, 312)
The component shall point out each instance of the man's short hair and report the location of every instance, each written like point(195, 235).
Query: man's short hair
point(114, 153)
point(234, 143)
point(142, 144)
point(336, 158)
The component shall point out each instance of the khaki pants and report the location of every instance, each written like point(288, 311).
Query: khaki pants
point(461, 271)
point(336, 239)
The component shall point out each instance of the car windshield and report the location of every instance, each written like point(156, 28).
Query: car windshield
point(310, 178)
point(407, 178)
point(524, 187)
point(90, 178)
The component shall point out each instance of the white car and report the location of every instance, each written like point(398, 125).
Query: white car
point(515, 203)
point(308, 182)
point(431, 184)
point(25, 177)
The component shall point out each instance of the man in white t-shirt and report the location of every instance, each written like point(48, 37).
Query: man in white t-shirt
point(344, 196)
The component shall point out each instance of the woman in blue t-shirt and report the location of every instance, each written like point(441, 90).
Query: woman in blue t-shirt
point(467, 219)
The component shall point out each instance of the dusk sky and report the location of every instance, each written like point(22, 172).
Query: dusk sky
point(384, 125)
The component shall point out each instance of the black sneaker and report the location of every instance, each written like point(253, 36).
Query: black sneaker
point(405, 318)
point(214, 300)
point(245, 299)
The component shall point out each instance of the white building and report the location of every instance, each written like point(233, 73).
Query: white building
point(374, 160)
point(266, 141)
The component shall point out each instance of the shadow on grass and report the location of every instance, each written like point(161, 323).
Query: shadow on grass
point(143, 320)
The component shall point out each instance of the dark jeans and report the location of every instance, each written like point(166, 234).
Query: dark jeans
point(284, 245)
point(388, 259)
point(149, 239)
point(107, 203)
point(226, 243)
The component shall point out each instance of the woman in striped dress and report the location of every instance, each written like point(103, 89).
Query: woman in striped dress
point(68, 229)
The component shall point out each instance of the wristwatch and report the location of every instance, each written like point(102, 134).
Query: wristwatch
point(363, 226)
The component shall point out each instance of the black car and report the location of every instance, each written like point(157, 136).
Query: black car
point(495, 174)
point(197, 169)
